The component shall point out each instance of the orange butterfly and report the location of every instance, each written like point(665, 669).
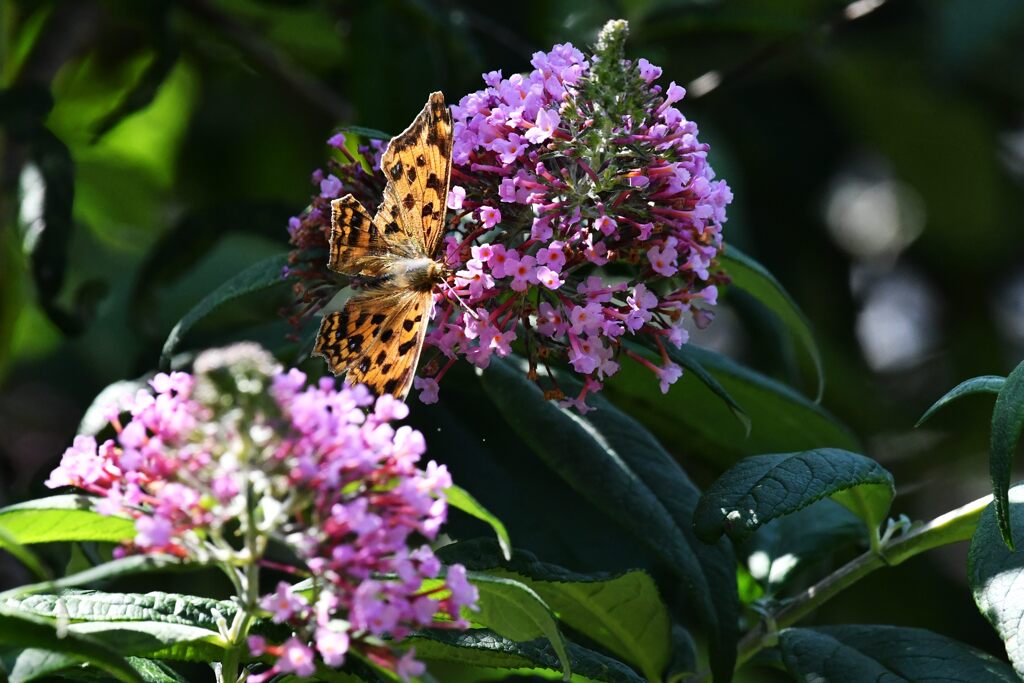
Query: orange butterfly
point(376, 339)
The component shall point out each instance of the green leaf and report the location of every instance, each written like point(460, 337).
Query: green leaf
point(369, 133)
point(63, 518)
point(460, 499)
point(622, 613)
point(611, 461)
point(513, 610)
point(34, 664)
point(779, 548)
point(842, 654)
point(259, 276)
point(752, 277)
point(168, 608)
point(987, 384)
point(995, 574)
point(688, 358)
point(484, 648)
point(782, 419)
point(1007, 425)
point(761, 488)
point(24, 631)
point(159, 640)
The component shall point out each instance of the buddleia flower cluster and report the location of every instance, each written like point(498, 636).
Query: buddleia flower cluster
point(585, 222)
point(222, 465)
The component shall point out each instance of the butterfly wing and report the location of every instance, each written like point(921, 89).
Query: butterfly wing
point(356, 246)
point(345, 336)
point(390, 366)
point(417, 165)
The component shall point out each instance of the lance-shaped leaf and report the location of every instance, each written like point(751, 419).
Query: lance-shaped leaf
point(761, 488)
point(996, 573)
point(752, 277)
point(63, 518)
point(987, 384)
point(484, 648)
point(267, 273)
point(854, 653)
point(1007, 425)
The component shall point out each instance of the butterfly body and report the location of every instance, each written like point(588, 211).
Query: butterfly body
point(376, 339)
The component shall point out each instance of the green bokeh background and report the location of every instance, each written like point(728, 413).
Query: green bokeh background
point(192, 128)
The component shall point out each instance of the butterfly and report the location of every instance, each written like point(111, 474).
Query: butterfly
point(377, 338)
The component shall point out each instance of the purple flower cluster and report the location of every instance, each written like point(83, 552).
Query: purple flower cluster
point(321, 470)
point(585, 221)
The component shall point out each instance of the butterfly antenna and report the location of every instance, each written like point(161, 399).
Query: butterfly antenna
point(459, 299)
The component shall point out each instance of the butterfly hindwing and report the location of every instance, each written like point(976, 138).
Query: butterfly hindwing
point(417, 166)
point(355, 244)
point(392, 362)
point(345, 336)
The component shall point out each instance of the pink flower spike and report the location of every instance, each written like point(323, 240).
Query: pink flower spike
point(153, 532)
point(297, 658)
point(283, 603)
point(489, 216)
point(332, 642)
point(549, 278)
point(668, 375)
point(257, 645)
point(547, 122)
point(456, 196)
point(606, 225)
point(648, 71)
point(337, 141)
point(428, 389)
point(408, 667)
point(330, 187)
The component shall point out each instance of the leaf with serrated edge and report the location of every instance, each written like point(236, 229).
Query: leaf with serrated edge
point(765, 487)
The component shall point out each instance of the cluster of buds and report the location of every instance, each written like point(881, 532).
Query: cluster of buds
point(585, 221)
point(218, 465)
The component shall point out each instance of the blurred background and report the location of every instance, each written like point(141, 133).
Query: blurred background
point(150, 150)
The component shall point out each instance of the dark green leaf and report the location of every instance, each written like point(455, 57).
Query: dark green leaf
point(1007, 424)
point(24, 631)
point(460, 499)
point(484, 648)
point(781, 418)
point(996, 573)
point(515, 611)
point(623, 613)
point(761, 488)
point(262, 275)
point(851, 654)
point(751, 276)
point(784, 545)
point(155, 639)
point(611, 461)
point(987, 384)
point(688, 358)
point(63, 518)
point(34, 664)
point(369, 133)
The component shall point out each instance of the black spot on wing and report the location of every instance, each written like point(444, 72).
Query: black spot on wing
point(428, 209)
point(405, 347)
point(390, 386)
point(434, 183)
point(408, 202)
point(386, 335)
point(396, 171)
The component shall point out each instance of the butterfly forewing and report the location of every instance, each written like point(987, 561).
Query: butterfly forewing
point(378, 337)
point(417, 165)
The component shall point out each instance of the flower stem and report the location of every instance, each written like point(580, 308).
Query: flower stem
point(951, 527)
